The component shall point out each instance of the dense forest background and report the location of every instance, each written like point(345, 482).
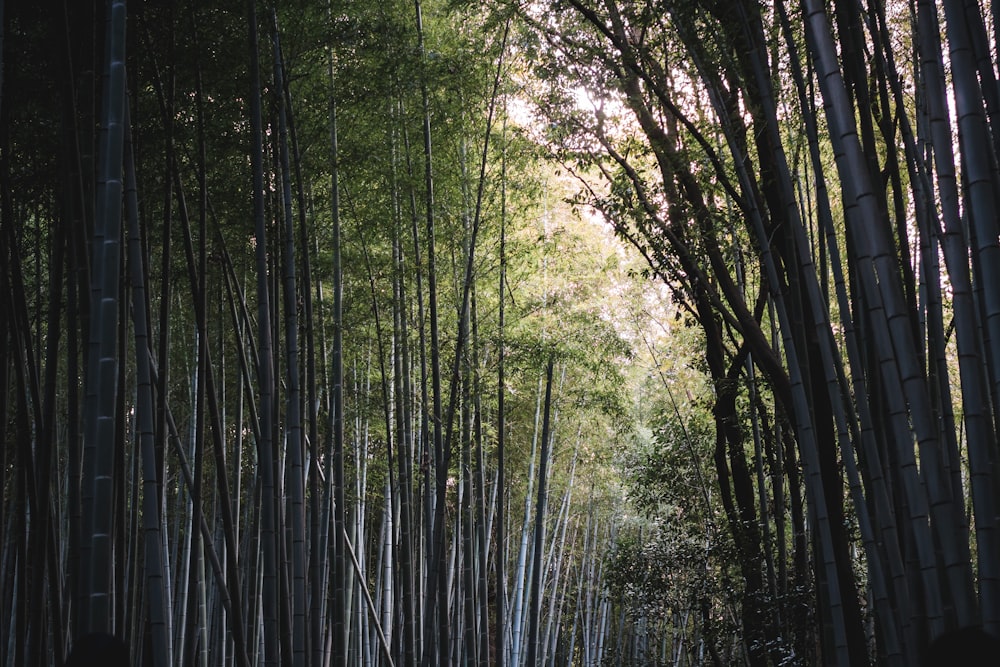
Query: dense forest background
point(581, 332)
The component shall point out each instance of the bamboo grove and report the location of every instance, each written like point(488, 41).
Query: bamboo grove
point(278, 290)
point(817, 183)
point(578, 332)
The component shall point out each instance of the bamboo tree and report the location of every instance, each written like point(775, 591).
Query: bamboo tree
point(195, 636)
point(339, 601)
point(436, 631)
point(980, 177)
point(479, 485)
point(956, 563)
point(404, 441)
point(294, 442)
point(158, 600)
point(265, 455)
point(534, 619)
point(424, 437)
point(319, 570)
point(102, 362)
point(518, 612)
point(465, 526)
point(500, 559)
